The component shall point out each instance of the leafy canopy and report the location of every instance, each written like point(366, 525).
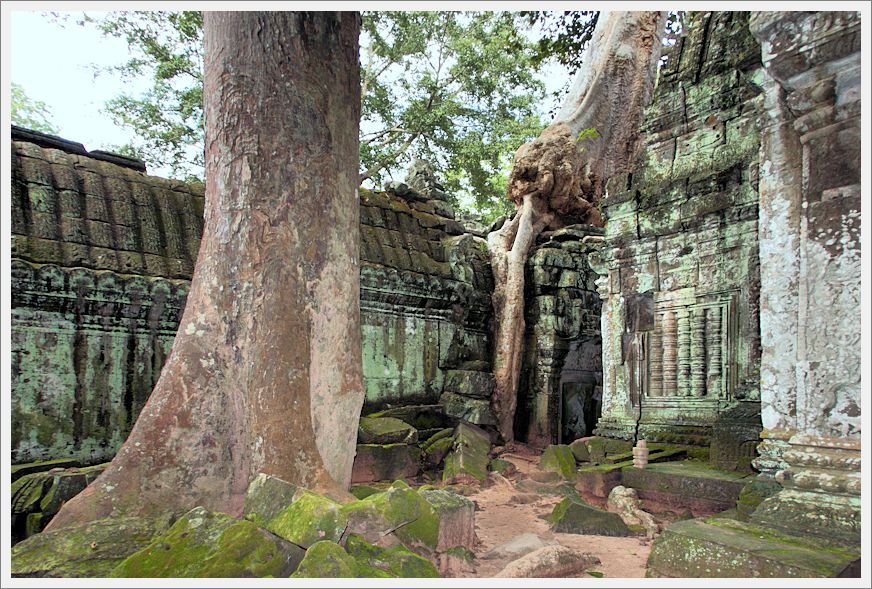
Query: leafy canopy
point(437, 85)
point(30, 113)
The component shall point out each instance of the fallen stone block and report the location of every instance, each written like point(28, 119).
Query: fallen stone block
point(549, 562)
point(206, 544)
point(560, 459)
point(396, 562)
point(93, 549)
point(468, 459)
point(469, 383)
point(723, 547)
point(579, 450)
point(574, 516)
point(456, 518)
point(385, 430)
point(476, 411)
point(326, 559)
point(376, 462)
point(266, 497)
point(309, 519)
point(518, 546)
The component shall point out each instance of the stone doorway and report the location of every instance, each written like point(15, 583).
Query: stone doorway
point(580, 409)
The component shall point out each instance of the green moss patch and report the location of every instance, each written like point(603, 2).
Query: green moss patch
point(309, 519)
point(385, 430)
point(574, 516)
point(326, 559)
point(560, 459)
point(400, 510)
point(206, 544)
point(267, 496)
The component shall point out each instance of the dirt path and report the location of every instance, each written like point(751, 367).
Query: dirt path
point(499, 520)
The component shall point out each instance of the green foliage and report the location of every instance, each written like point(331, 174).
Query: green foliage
point(29, 113)
point(436, 85)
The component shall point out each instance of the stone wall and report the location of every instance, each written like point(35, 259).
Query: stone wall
point(680, 262)
point(810, 266)
point(102, 256)
point(561, 375)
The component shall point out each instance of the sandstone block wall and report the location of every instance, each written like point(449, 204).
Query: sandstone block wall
point(680, 262)
point(102, 256)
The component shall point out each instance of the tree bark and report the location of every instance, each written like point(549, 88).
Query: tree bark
point(557, 180)
point(265, 371)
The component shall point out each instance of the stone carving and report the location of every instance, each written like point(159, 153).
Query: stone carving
point(640, 454)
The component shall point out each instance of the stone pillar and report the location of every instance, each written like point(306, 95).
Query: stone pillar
point(810, 271)
point(683, 352)
point(670, 353)
point(697, 353)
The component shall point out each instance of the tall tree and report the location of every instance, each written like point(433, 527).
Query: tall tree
point(456, 88)
point(265, 372)
point(558, 179)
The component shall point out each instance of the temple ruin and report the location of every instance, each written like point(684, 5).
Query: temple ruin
point(714, 318)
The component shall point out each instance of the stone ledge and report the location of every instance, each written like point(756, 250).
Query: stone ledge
point(721, 547)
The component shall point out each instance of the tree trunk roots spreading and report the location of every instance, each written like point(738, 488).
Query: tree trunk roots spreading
point(557, 179)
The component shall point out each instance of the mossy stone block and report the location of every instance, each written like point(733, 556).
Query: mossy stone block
point(375, 561)
point(503, 467)
point(326, 559)
point(560, 459)
point(382, 462)
point(469, 457)
point(470, 383)
point(309, 519)
point(215, 545)
point(456, 518)
point(400, 510)
point(266, 497)
point(385, 430)
point(723, 547)
point(579, 450)
point(574, 516)
point(477, 411)
point(93, 549)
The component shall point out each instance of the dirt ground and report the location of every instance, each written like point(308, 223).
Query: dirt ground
point(498, 520)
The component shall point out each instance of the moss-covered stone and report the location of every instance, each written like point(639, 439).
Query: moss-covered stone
point(599, 447)
point(267, 496)
point(207, 544)
point(375, 561)
point(579, 450)
point(399, 510)
point(385, 430)
point(364, 491)
point(723, 547)
point(476, 411)
point(456, 518)
point(503, 467)
point(574, 516)
point(309, 519)
point(560, 459)
point(86, 550)
point(470, 383)
point(381, 462)
point(326, 559)
point(433, 452)
point(753, 494)
point(469, 457)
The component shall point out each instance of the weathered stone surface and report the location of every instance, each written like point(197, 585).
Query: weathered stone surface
point(721, 547)
point(502, 467)
point(470, 383)
point(326, 559)
point(375, 561)
point(377, 462)
point(385, 430)
point(102, 260)
point(456, 518)
point(435, 449)
point(574, 516)
point(518, 546)
point(559, 459)
point(308, 519)
point(550, 561)
point(477, 411)
point(267, 496)
point(468, 460)
point(397, 515)
point(625, 502)
point(38, 496)
point(680, 264)
point(206, 544)
point(688, 484)
point(580, 451)
point(88, 550)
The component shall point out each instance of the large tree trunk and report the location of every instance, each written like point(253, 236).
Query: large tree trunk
point(557, 180)
point(265, 371)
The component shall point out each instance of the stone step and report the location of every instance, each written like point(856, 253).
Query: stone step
point(722, 547)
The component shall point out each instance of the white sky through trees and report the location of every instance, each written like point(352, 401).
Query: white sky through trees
point(54, 61)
